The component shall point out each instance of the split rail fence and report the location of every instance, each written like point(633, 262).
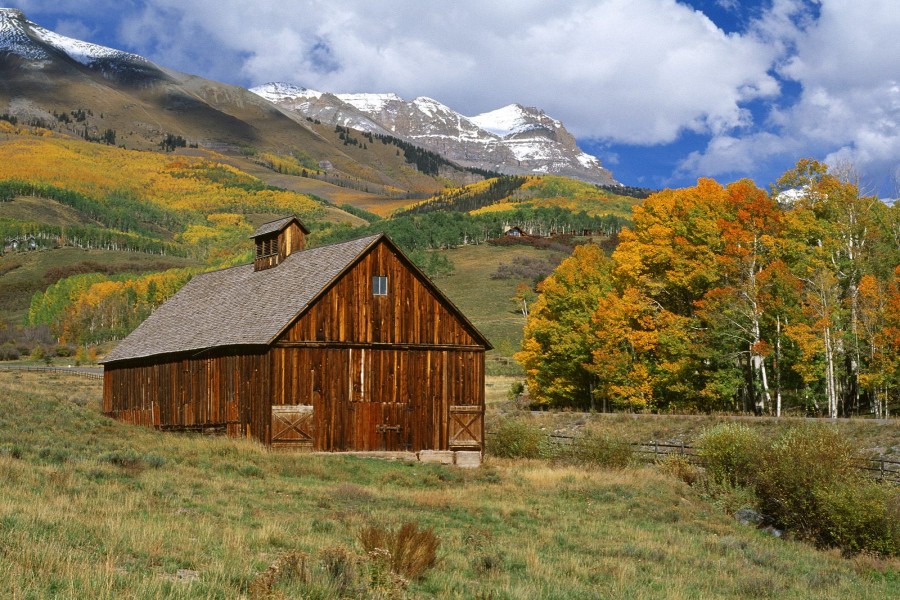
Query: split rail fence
point(879, 467)
point(88, 373)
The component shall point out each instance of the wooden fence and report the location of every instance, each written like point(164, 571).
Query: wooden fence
point(87, 373)
point(879, 467)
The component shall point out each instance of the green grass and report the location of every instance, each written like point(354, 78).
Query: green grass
point(44, 211)
point(94, 508)
point(488, 302)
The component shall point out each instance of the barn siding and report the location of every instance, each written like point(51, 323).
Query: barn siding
point(352, 390)
point(227, 390)
point(410, 313)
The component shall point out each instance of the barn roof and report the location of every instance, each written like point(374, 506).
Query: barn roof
point(239, 306)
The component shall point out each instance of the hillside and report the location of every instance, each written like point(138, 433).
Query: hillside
point(516, 192)
point(72, 88)
point(93, 210)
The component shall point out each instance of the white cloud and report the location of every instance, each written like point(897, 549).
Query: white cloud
point(849, 108)
point(636, 71)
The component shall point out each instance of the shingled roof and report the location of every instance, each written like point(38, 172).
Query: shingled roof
point(239, 306)
point(277, 225)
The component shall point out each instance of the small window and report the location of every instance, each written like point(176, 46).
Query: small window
point(379, 285)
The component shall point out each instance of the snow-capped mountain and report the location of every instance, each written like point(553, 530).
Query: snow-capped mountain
point(21, 37)
point(513, 139)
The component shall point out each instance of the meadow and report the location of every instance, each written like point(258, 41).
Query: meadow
point(93, 508)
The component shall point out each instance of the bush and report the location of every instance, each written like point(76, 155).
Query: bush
point(514, 438)
point(860, 518)
point(601, 450)
point(8, 351)
point(730, 453)
point(125, 458)
point(409, 551)
point(678, 466)
point(794, 473)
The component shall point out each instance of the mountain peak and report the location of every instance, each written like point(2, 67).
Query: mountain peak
point(514, 139)
point(276, 91)
point(20, 36)
point(514, 118)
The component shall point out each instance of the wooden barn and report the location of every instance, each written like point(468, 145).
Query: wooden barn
point(347, 347)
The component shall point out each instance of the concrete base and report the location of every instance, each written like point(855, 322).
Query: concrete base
point(468, 459)
point(444, 457)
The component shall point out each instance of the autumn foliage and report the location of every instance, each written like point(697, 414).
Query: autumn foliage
point(729, 298)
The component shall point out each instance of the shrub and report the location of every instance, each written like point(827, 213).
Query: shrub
point(53, 455)
point(409, 551)
point(514, 438)
point(678, 466)
point(730, 453)
point(860, 518)
point(154, 461)
point(11, 450)
point(291, 565)
point(601, 450)
point(795, 472)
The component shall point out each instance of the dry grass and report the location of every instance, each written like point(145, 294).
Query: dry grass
point(407, 550)
point(73, 525)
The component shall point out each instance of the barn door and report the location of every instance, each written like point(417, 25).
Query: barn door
point(393, 431)
point(381, 426)
point(292, 425)
point(466, 427)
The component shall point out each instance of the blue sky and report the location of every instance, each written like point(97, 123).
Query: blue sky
point(663, 91)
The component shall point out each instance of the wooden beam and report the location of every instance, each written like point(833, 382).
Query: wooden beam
point(377, 346)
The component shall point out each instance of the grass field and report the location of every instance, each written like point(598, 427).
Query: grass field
point(91, 508)
point(488, 302)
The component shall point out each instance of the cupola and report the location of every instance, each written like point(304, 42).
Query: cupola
point(276, 240)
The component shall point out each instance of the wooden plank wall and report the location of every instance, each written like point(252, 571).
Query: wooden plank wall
point(370, 364)
point(409, 314)
point(221, 390)
point(355, 390)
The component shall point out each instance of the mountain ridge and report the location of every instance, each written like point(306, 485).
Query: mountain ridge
point(514, 140)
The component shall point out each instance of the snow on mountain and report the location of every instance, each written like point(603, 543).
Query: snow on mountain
point(278, 91)
point(14, 37)
point(20, 36)
point(370, 103)
point(513, 139)
point(508, 120)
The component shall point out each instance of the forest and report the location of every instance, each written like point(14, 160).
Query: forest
point(729, 299)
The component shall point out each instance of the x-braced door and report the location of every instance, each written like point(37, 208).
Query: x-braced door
point(466, 427)
point(292, 425)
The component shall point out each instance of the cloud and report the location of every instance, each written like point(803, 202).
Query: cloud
point(848, 110)
point(635, 71)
